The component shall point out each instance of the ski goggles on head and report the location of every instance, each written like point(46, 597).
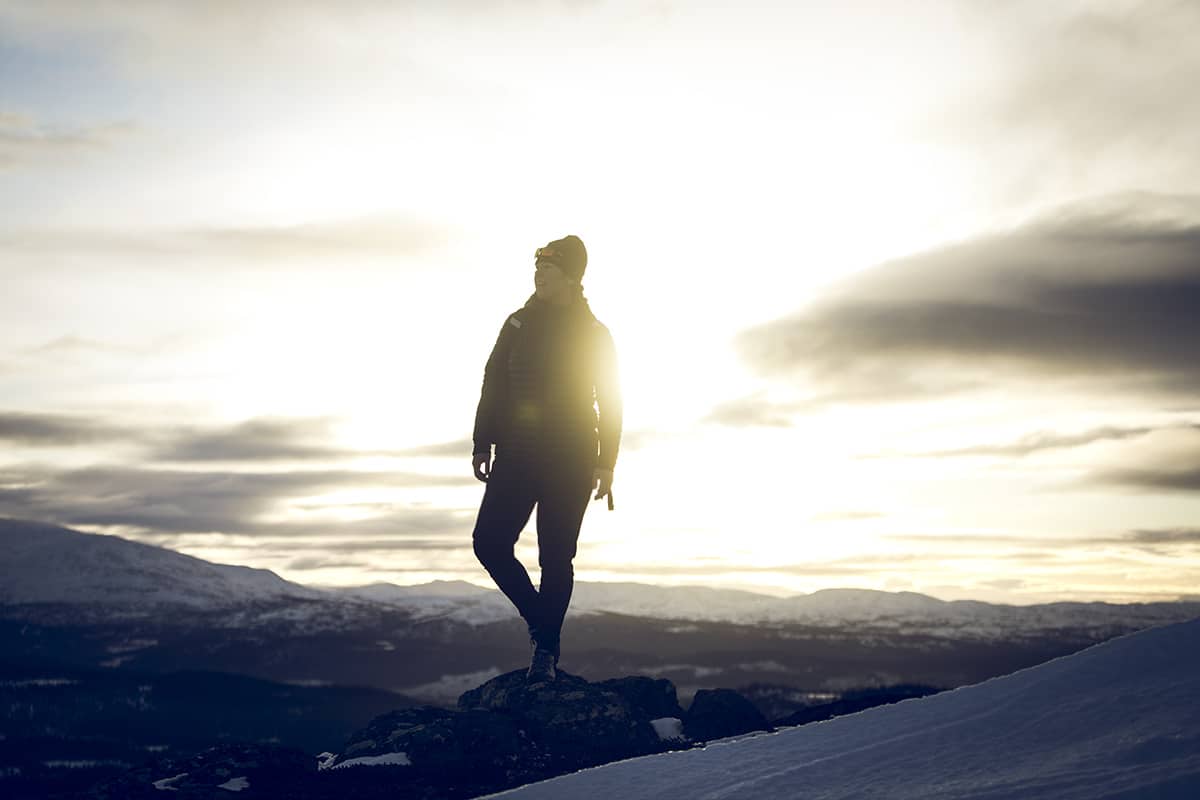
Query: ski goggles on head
point(547, 254)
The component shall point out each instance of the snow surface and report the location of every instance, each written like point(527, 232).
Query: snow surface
point(398, 759)
point(668, 728)
point(1117, 721)
point(164, 785)
point(42, 563)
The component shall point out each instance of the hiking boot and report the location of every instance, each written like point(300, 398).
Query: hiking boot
point(542, 668)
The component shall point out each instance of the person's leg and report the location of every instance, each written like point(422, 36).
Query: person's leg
point(507, 503)
point(564, 499)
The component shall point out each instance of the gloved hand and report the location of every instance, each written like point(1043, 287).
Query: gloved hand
point(482, 464)
point(602, 482)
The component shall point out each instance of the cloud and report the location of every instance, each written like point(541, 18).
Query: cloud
point(376, 238)
point(1039, 441)
point(752, 411)
point(80, 346)
point(24, 141)
point(254, 440)
point(998, 546)
point(259, 439)
point(1169, 536)
point(846, 516)
point(319, 562)
point(1182, 478)
point(382, 546)
point(1167, 461)
point(1164, 542)
point(373, 555)
point(1005, 583)
point(1106, 295)
point(1081, 95)
point(176, 501)
point(459, 448)
point(59, 430)
point(859, 566)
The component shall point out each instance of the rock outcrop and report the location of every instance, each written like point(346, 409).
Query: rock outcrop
point(508, 731)
point(718, 713)
point(223, 771)
point(504, 733)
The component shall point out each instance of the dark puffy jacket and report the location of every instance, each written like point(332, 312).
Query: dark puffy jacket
point(550, 387)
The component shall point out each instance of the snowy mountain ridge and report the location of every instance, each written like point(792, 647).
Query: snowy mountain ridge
point(1117, 721)
point(902, 612)
point(48, 564)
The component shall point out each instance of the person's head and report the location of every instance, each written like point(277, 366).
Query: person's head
point(559, 269)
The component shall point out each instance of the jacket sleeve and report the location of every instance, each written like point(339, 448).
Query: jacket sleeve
point(608, 399)
point(489, 415)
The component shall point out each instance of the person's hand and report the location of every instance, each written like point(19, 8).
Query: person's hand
point(602, 481)
point(482, 464)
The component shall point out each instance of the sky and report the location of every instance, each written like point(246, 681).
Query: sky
point(906, 295)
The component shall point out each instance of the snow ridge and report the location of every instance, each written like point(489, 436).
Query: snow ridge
point(48, 564)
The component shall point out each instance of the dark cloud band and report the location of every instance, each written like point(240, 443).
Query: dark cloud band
point(177, 501)
point(1112, 299)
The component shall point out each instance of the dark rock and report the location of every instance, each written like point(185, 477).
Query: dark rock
point(651, 698)
point(512, 693)
point(506, 732)
point(433, 740)
point(854, 701)
point(579, 723)
point(717, 713)
point(228, 770)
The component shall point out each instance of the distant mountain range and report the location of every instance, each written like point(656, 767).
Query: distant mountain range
point(47, 565)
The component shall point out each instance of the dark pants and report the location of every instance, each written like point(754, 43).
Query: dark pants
point(560, 491)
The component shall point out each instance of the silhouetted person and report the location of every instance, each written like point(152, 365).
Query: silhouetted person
point(551, 404)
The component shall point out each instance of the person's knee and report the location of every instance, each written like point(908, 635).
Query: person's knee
point(556, 563)
point(491, 551)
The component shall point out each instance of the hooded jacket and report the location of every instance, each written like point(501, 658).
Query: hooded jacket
point(550, 387)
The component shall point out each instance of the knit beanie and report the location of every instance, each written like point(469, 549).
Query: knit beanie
point(568, 254)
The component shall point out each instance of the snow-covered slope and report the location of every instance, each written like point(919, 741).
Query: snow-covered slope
point(672, 602)
point(458, 601)
point(42, 563)
point(1117, 721)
